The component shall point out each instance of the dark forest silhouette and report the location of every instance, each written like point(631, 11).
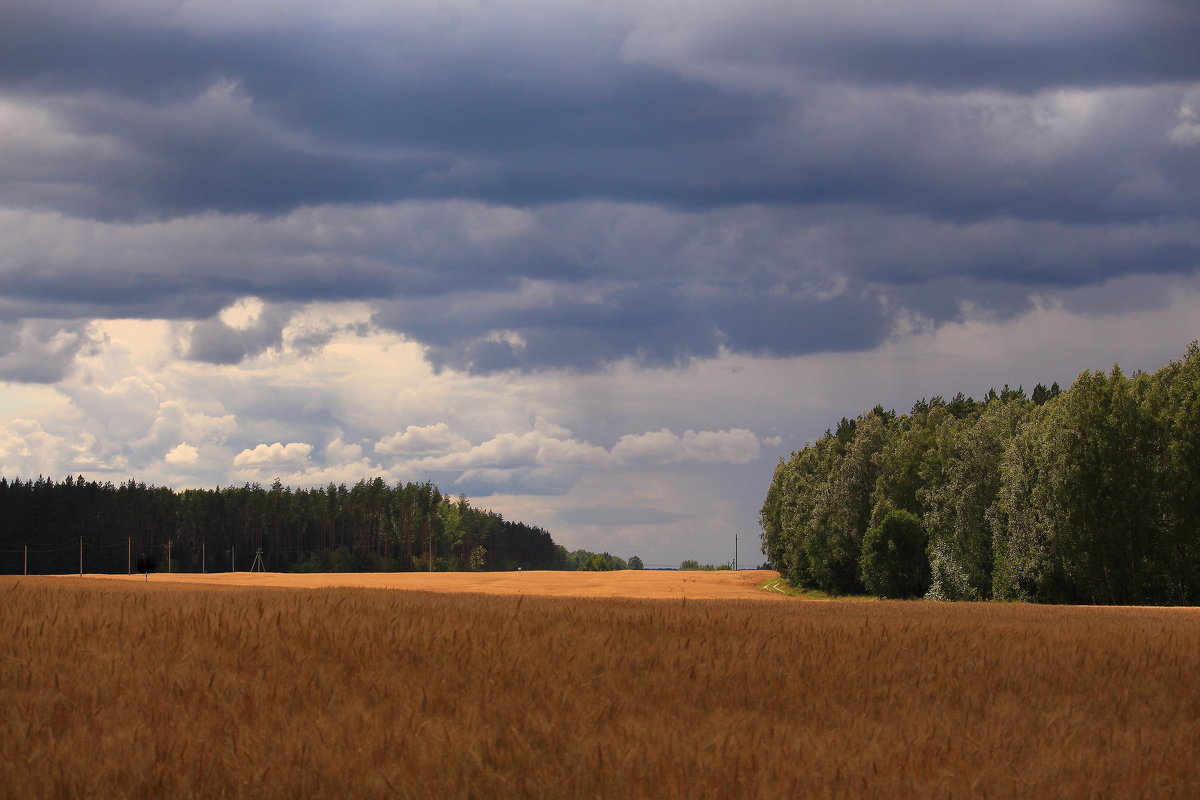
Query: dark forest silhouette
point(369, 526)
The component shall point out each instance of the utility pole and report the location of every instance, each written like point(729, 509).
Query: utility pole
point(735, 542)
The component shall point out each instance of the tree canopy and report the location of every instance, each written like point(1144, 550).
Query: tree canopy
point(365, 527)
point(1086, 495)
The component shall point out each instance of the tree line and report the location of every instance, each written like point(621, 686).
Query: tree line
point(587, 561)
point(1088, 495)
point(370, 526)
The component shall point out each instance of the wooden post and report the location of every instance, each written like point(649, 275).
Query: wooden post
point(168, 556)
point(26, 559)
point(81, 556)
point(129, 555)
point(203, 568)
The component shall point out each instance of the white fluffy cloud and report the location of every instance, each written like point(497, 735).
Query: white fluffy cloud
point(510, 450)
point(292, 454)
point(537, 449)
point(340, 452)
point(422, 440)
point(26, 448)
point(738, 446)
point(182, 455)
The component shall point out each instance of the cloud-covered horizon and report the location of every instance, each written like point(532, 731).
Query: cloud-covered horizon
point(537, 198)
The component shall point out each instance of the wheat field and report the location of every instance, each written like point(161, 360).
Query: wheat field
point(127, 689)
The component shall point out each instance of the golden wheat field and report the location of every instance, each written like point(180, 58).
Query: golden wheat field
point(650, 584)
point(154, 689)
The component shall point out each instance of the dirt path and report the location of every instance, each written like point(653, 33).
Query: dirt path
point(703, 585)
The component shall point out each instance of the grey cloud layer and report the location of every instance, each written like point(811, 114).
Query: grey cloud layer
point(570, 185)
point(1022, 46)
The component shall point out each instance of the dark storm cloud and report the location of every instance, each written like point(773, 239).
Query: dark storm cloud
point(40, 351)
point(574, 286)
point(567, 186)
point(531, 113)
point(216, 342)
point(193, 267)
point(301, 117)
point(658, 325)
point(1024, 46)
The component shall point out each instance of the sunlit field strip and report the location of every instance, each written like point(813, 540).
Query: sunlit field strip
point(669, 584)
point(128, 689)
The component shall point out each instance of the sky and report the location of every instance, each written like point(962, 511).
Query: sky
point(596, 265)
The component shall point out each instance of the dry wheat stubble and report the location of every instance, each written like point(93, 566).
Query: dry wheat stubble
point(140, 690)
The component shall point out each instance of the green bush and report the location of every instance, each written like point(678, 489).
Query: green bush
point(893, 561)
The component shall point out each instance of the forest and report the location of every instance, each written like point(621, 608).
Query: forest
point(49, 527)
point(1088, 495)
